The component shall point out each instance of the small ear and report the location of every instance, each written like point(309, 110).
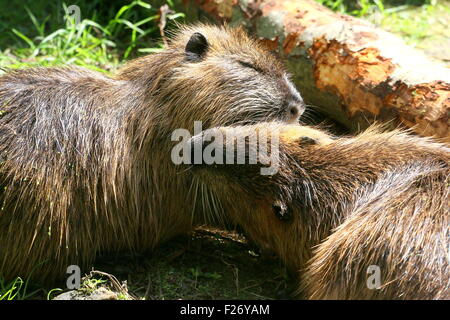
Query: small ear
point(196, 47)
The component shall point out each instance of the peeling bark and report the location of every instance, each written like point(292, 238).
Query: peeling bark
point(354, 72)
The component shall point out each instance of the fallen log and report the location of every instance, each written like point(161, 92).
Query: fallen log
point(353, 72)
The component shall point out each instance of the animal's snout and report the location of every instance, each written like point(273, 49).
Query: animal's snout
point(294, 110)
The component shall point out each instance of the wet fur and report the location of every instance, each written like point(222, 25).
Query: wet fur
point(85, 158)
point(381, 198)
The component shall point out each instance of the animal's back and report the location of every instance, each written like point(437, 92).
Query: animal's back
point(398, 232)
point(54, 130)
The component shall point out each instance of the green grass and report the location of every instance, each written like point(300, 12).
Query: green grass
point(363, 8)
point(100, 44)
point(10, 291)
point(17, 289)
point(422, 24)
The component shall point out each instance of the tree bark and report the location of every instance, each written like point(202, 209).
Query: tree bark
point(353, 72)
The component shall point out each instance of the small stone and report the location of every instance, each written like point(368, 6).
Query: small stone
point(98, 294)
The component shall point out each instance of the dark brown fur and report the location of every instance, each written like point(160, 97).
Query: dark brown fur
point(85, 158)
point(339, 205)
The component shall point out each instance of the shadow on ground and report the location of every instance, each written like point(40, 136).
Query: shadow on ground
point(209, 264)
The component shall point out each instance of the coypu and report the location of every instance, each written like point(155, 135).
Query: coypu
point(85, 158)
point(338, 208)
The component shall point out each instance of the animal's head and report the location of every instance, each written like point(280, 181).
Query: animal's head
point(221, 76)
point(271, 205)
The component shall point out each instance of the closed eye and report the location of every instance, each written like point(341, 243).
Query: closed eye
point(248, 65)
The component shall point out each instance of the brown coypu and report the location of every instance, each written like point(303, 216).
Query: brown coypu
point(338, 207)
point(85, 158)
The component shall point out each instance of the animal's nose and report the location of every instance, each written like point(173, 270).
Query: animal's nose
point(295, 110)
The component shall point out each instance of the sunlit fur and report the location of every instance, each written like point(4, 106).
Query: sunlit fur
point(85, 158)
point(380, 198)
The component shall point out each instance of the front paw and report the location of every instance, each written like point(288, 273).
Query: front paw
point(304, 136)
